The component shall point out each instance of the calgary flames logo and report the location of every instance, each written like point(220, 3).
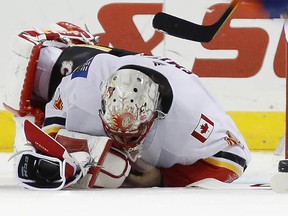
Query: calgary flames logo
point(110, 91)
point(123, 121)
point(231, 139)
point(58, 104)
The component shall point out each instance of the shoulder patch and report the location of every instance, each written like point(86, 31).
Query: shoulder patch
point(231, 139)
point(203, 129)
point(82, 70)
point(58, 104)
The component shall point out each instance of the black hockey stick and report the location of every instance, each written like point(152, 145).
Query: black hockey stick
point(184, 29)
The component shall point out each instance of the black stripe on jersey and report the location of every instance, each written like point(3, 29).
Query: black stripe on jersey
point(232, 157)
point(54, 120)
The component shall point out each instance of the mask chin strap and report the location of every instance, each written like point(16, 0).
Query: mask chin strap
point(160, 115)
point(134, 153)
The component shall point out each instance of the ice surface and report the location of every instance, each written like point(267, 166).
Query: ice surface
point(15, 200)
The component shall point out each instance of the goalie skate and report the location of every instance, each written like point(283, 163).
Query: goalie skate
point(279, 182)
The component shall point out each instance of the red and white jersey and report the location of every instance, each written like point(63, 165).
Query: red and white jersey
point(195, 127)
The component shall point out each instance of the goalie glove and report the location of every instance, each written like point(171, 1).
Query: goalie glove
point(40, 172)
point(53, 158)
point(89, 151)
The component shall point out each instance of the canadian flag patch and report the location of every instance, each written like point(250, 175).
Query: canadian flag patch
point(203, 129)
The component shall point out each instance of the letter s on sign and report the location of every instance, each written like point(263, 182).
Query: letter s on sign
point(251, 44)
point(120, 29)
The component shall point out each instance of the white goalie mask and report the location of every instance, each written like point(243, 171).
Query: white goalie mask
point(129, 103)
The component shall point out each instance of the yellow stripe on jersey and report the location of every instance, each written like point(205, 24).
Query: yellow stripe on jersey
point(50, 130)
point(220, 163)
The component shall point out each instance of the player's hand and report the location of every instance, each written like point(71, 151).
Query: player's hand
point(144, 176)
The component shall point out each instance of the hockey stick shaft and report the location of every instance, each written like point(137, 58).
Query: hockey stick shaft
point(214, 184)
point(184, 29)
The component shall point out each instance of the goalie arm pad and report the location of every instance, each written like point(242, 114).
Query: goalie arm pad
point(107, 167)
point(116, 168)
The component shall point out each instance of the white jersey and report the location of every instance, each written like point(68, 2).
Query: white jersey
point(195, 127)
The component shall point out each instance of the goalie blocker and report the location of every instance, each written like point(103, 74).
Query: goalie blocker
point(73, 159)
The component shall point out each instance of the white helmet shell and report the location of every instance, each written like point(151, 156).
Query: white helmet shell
point(129, 103)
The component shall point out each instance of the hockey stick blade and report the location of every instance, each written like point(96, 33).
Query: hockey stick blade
point(184, 29)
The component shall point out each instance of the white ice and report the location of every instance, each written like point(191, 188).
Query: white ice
point(15, 200)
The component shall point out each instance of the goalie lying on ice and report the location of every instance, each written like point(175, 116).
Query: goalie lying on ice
point(167, 128)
